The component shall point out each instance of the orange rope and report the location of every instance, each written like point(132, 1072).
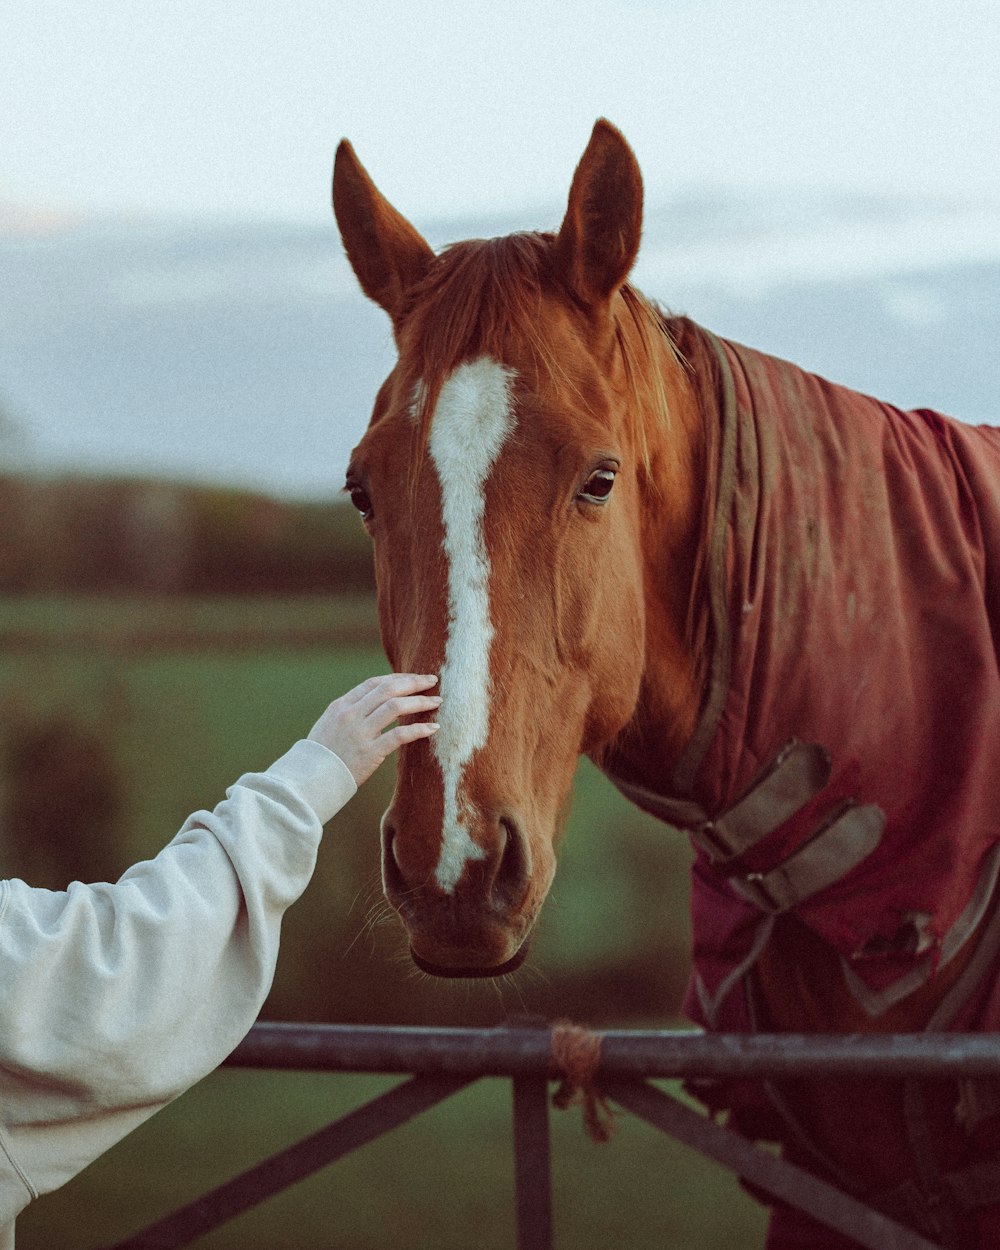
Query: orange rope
point(576, 1056)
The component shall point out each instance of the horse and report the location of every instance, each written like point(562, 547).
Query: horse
point(764, 605)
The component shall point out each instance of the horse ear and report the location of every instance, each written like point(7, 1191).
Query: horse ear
point(599, 237)
point(386, 253)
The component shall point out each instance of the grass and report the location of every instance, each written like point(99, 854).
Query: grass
point(184, 696)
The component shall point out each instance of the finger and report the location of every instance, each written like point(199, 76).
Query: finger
point(394, 709)
point(396, 685)
point(393, 739)
point(365, 687)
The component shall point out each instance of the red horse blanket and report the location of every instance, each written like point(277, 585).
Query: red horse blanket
point(854, 589)
point(846, 766)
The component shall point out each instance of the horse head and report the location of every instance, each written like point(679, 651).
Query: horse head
point(529, 482)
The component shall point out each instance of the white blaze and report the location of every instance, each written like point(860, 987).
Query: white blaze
point(472, 420)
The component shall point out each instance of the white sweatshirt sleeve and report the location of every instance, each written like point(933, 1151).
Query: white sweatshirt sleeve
point(115, 998)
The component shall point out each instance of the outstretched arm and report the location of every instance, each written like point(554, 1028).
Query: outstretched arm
point(115, 998)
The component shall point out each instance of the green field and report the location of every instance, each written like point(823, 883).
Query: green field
point(179, 697)
point(443, 1182)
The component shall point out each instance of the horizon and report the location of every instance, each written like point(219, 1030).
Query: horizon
point(245, 354)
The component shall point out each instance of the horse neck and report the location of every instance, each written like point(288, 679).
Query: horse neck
point(673, 526)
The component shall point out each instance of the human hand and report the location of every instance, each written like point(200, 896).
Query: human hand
point(356, 726)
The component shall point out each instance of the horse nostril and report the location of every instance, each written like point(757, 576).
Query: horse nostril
point(514, 870)
point(392, 874)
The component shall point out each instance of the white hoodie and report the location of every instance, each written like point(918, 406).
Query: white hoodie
point(114, 999)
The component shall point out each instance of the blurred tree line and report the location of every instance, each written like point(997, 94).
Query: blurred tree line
point(78, 535)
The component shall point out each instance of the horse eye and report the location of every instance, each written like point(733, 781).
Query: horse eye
point(598, 486)
point(361, 500)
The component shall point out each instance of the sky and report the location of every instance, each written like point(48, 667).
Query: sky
point(229, 109)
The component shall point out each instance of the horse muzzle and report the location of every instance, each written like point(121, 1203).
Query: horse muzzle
point(481, 926)
point(465, 943)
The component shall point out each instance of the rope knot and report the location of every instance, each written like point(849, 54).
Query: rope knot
point(576, 1056)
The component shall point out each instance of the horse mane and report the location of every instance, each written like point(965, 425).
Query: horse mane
point(481, 293)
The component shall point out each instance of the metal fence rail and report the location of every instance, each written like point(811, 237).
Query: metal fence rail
point(439, 1062)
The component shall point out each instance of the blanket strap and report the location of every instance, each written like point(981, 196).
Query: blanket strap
point(791, 833)
point(797, 774)
point(832, 852)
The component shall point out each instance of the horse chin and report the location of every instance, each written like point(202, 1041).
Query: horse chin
point(471, 971)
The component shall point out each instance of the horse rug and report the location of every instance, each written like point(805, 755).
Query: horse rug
point(846, 765)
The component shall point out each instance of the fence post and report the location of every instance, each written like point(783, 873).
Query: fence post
point(532, 1167)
